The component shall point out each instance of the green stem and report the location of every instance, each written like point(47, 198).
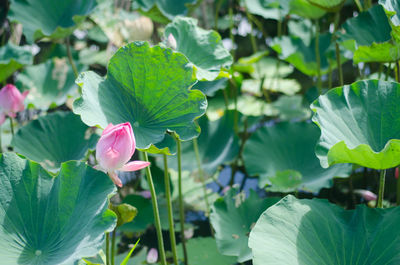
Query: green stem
point(317, 57)
point(337, 49)
point(11, 126)
point(235, 101)
point(231, 24)
point(170, 213)
point(71, 61)
point(396, 72)
point(202, 179)
point(107, 248)
point(252, 38)
point(217, 8)
point(330, 76)
point(388, 70)
point(358, 3)
point(381, 188)
point(156, 213)
point(181, 206)
point(113, 237)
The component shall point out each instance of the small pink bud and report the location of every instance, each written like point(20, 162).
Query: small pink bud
point(366, 194)
point(172, 41)
point(396, 173)
point(114, 150)
point(11, 101)
point(152, 256)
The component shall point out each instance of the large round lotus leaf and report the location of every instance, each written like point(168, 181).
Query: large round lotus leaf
point(269, 9)
point(217, 144)
point(13, 58)
point(55, 138)
point(146, 86)
point(302, 56)
point(360, 124)
point(168, 9)
point(329, 5)
point(232, 218)
point(54, 19)
point(371, 32)
point(285, 151)
point(305, 232)
point(48, 219)
point(203, 48)
point(49, 83)
point(203, 250)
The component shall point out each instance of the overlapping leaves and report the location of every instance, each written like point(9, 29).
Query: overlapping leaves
point(48, 219)
point(314, 231)
point(359, 124)
point(146, 86)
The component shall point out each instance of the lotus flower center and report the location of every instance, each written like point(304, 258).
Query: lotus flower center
point(136, 124)
point(38, 252)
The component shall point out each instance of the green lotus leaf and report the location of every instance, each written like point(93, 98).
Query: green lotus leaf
point(163, 10)
point(209, 88)
point(232, 218)
point(300, 232)
point(269, 9)
point(304, 9)
point(49, 83)
point(302, 56)
point(47, 219)
point(203, 250)
point(13, 58)
point(48, 18)
point(203, 48)
point(280, 85)
point(271, 151)
point(328, 5)
point(372, 34)
point(392, 8)
point(146, 86)
point(269, 67)
point(55, 138)
point(217, 144)
point(167, 146)
point(359, 124)
point(291, 107)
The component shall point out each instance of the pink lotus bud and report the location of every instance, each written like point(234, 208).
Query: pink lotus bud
point(172, 41)
point(11, 101)
point(114, 150)
point(366, 194)
point(152, 256)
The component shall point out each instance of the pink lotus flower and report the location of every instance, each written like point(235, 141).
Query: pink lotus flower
point(114, 150)
point(11, 102)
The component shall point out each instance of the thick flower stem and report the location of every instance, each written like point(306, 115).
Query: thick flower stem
point(202, 179)
point(170, 213)
point(156, 213)
point(113, 237)
point(181, 206)
point(107, 248)
point(12, 126)
point(337, 49)
point(318, 57)
point(381, 188)
point(71, 61)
